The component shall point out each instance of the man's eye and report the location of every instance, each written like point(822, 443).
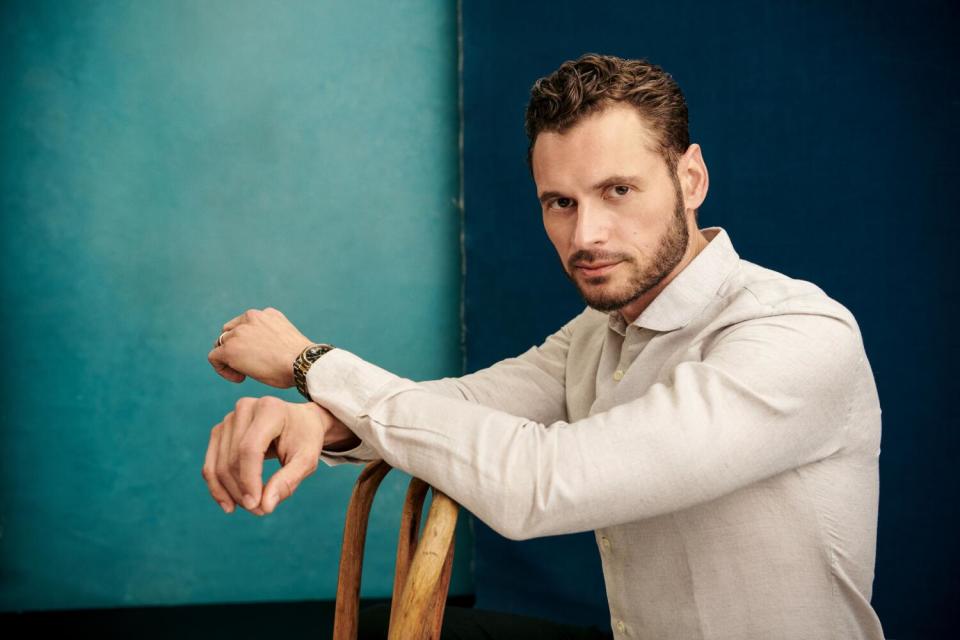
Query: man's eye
point(562, 203)
point(621, 190)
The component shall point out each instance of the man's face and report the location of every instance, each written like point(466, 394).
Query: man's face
point(611, 207)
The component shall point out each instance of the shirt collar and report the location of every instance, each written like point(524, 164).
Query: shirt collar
point(691, 290)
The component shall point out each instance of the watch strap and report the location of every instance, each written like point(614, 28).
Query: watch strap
point(302, 364)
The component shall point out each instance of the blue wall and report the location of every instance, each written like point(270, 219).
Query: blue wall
point(165, 166)
point(830, 131)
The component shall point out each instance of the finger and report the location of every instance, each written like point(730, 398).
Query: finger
point(223, 461)
point(230, 324)
point(264, 421)
point(209, 472)
point(216, 358)
point(284, 482)
point(247, 316)
point(227, 468)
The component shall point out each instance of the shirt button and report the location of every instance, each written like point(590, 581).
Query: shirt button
point(620, 626)
point(605, 542)
point(618, 375)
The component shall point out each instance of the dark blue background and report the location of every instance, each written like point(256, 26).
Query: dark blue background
point(830, 132)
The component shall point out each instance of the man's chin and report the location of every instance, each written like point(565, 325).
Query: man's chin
point(603, 303)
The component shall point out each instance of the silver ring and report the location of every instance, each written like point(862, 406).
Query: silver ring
point(220, 339)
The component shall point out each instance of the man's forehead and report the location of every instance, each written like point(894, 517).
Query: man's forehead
point(615, 141)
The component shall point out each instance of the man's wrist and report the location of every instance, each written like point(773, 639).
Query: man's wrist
point(339, 438)
point(302, 365)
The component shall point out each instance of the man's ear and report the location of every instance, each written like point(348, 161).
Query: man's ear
point(693, 176)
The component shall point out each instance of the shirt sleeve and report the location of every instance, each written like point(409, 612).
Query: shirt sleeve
point(531, 384)
point(771, 394)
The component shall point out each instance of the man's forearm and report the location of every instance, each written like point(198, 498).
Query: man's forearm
point(530, 384)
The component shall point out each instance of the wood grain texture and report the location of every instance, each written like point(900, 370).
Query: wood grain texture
point(408, 539)
point(429, 571)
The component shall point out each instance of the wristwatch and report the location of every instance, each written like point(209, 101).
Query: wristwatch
point(302, 364)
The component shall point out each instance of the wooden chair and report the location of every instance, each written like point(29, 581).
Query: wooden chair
point(422, 575)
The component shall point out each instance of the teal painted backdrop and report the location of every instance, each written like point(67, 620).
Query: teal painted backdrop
point(165, 166)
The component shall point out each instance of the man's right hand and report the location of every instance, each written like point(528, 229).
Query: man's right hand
point(261, 344)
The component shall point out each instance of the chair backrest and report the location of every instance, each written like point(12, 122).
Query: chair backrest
point(424, 563)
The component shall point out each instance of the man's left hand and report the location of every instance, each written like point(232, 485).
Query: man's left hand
point(260, 344)
point(257, 429)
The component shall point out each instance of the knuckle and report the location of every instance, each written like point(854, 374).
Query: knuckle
point(270, 401)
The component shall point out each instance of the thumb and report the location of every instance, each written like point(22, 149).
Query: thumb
point(285, 481)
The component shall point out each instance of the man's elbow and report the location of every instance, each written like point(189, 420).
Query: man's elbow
point(519, 519)
point(512, 529)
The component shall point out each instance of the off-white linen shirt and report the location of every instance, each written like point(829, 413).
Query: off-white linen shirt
point(723, 446)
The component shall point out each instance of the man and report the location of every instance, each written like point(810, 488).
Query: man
point(714, 422)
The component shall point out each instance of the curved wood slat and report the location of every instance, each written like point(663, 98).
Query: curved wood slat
point(428, 571)
point(351, 554)
point(443, 586)
point(408, 538)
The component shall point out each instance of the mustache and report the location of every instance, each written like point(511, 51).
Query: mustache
point(590, 257)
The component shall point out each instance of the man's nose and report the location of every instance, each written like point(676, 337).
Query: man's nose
point(593, 226)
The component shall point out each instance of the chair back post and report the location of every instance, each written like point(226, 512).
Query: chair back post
point(347, 611)
point(407, 540)
point(420, 614)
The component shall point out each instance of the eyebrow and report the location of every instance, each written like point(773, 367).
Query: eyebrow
point(603, 184)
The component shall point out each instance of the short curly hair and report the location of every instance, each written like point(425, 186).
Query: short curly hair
point(592, 82)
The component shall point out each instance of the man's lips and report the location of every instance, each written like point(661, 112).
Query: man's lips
point(595, 268)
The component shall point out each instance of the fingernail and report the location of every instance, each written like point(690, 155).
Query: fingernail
point(270, 501)
point(226, 507)
point(248, 501)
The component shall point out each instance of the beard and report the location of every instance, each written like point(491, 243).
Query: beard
point(669, 253)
